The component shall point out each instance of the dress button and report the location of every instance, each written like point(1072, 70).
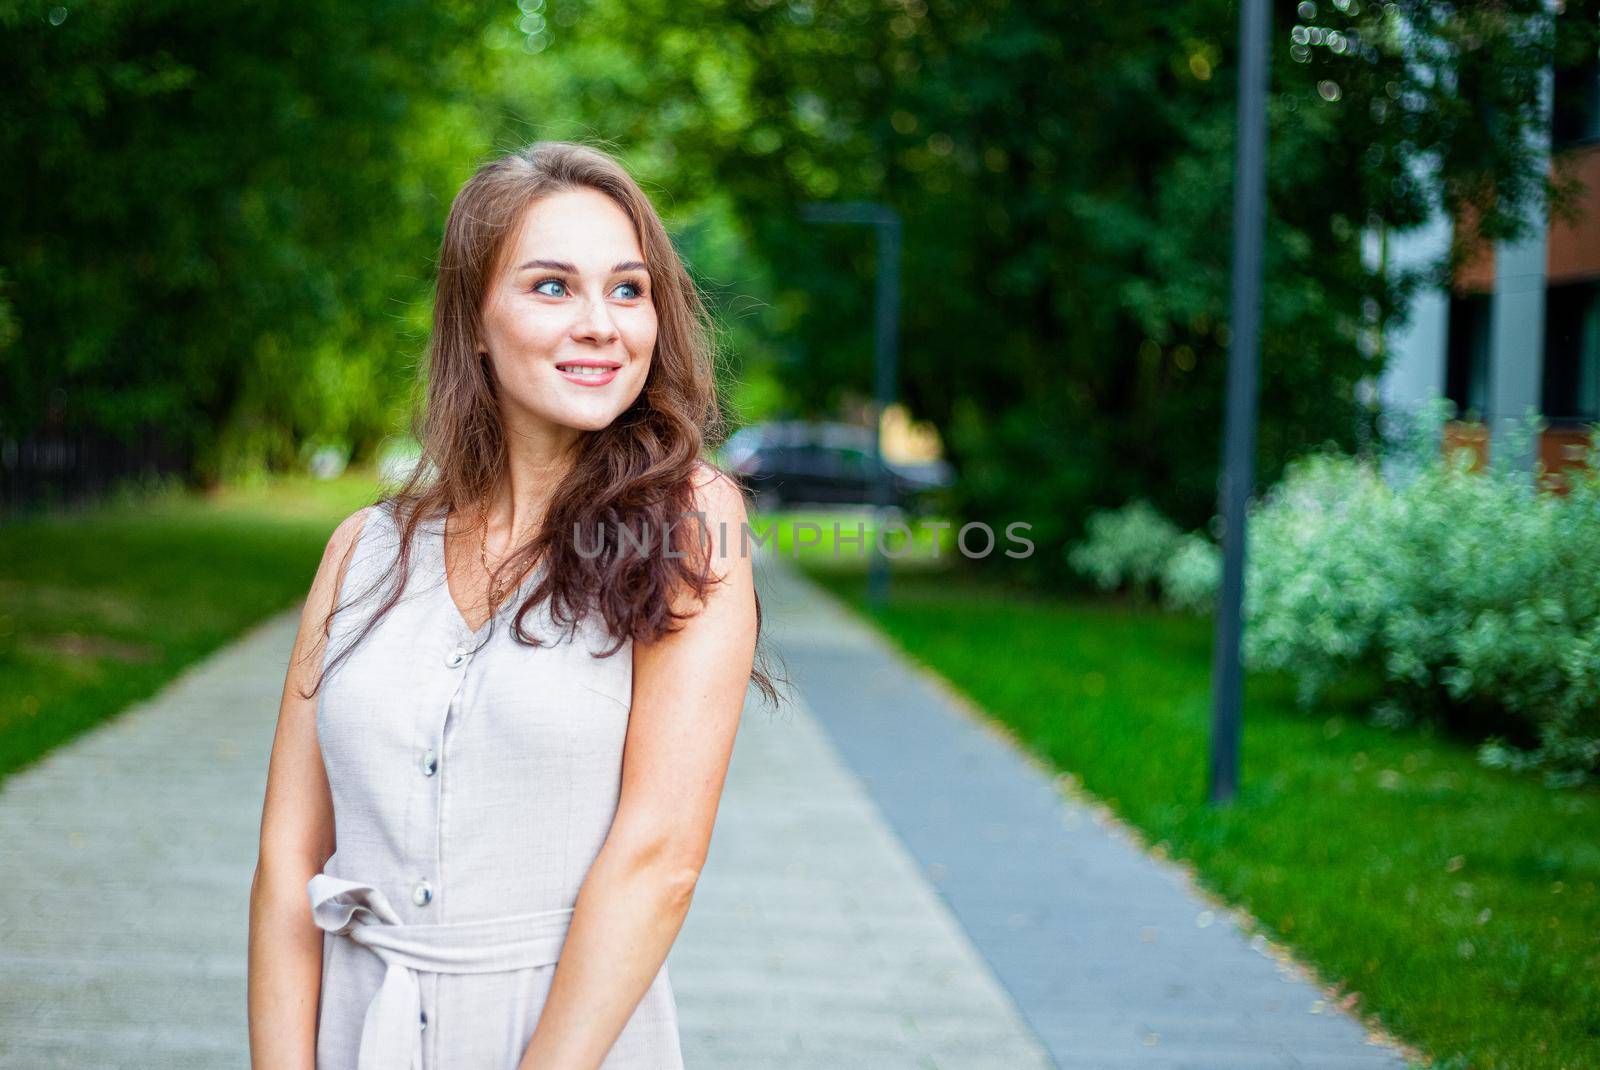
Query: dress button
point(424, 1019)
point(422, 895)
point(430, 763)
point(455, 658)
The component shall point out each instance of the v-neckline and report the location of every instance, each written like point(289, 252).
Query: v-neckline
point(449, 596)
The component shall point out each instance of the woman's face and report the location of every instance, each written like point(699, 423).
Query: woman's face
point(570, 324)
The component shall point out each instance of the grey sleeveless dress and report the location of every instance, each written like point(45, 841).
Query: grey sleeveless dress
point(474, 780)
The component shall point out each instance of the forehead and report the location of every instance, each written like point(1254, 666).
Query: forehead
point(582, 226)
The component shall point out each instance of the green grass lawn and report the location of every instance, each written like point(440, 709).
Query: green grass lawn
point(1457, 905)
point(100, 607)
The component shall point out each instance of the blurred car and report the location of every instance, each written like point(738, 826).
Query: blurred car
point(795, 462)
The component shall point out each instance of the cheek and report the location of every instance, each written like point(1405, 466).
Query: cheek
point(530, 327)
point(645, 334)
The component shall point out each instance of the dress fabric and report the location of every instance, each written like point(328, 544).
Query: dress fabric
point(474, 779)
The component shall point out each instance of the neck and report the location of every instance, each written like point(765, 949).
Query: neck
point(535, 465)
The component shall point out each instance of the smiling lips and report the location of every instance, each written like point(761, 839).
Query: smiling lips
point(589, 372)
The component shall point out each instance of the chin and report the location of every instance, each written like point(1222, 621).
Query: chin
point(592, 420)
point(596, 425)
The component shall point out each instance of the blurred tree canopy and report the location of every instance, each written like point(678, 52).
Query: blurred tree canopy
point(219, 216)
point(1065, 173)
point(224, 216)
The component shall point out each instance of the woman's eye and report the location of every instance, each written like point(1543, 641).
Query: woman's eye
point(635, 289)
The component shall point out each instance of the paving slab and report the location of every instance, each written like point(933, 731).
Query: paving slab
point(1113, 956)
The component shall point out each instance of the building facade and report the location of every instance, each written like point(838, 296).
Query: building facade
point(1519, 328)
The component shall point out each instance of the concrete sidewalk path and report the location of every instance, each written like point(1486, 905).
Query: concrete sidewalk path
point(891, 885)
point(128, 854)
point(1115, 958)
point(813, 940)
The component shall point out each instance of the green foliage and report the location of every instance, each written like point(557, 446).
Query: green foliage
point(1126, 548)
point(8, 322)
point(1475, 597)
point(214, 212)
point(1316, 554)
point(1136, 549)
point(219, 216)
point(1191, 574)
point(1065, 176)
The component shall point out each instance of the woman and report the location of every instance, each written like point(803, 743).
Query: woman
point(499, 790)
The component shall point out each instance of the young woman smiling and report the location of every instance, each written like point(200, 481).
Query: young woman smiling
point(490, 797)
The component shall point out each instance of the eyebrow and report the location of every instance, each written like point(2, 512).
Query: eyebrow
point(572, 269)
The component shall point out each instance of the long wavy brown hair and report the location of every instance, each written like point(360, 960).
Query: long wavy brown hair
point(634, 474)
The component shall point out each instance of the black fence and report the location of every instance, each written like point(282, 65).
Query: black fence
point(48, 469)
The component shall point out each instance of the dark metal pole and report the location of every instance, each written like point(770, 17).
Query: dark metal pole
point(886, 345)
point(886, 354)
point(1238, 454)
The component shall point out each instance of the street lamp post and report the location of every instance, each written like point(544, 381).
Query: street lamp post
point(1238, 455)
point(885, 357)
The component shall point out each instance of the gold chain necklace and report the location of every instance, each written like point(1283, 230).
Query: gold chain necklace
point(495, 591)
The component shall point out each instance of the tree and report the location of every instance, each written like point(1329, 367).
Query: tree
point(214, 212)
point(1065, 175)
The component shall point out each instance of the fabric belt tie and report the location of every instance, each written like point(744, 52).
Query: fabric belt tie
point(391, 1036)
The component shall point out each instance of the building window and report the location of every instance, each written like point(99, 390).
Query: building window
point(1575, 106)
point(1576, 95)
point(1466, 381)
point(1572, 353)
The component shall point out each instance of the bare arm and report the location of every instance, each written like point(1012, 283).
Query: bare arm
point(688, 693)
point(285, 972)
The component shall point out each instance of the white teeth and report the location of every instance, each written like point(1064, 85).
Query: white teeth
point(584, 370)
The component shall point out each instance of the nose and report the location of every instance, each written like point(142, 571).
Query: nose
point(595, 323)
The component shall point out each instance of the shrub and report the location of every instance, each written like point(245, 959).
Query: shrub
point(1126, 549)
point(1191, 574)
point(1317, 591)
point(1475, 596)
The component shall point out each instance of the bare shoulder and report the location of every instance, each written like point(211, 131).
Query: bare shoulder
point(720, 499)
point(718, 494)
point(317, 610)
point(335, 560)
point(348, 533)
point(342, 544)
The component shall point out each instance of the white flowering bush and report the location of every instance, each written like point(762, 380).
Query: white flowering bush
point(1317, 592)
point(1191, 574)
point(1138, 550)
point(1475, 595)
point(1126, 548)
